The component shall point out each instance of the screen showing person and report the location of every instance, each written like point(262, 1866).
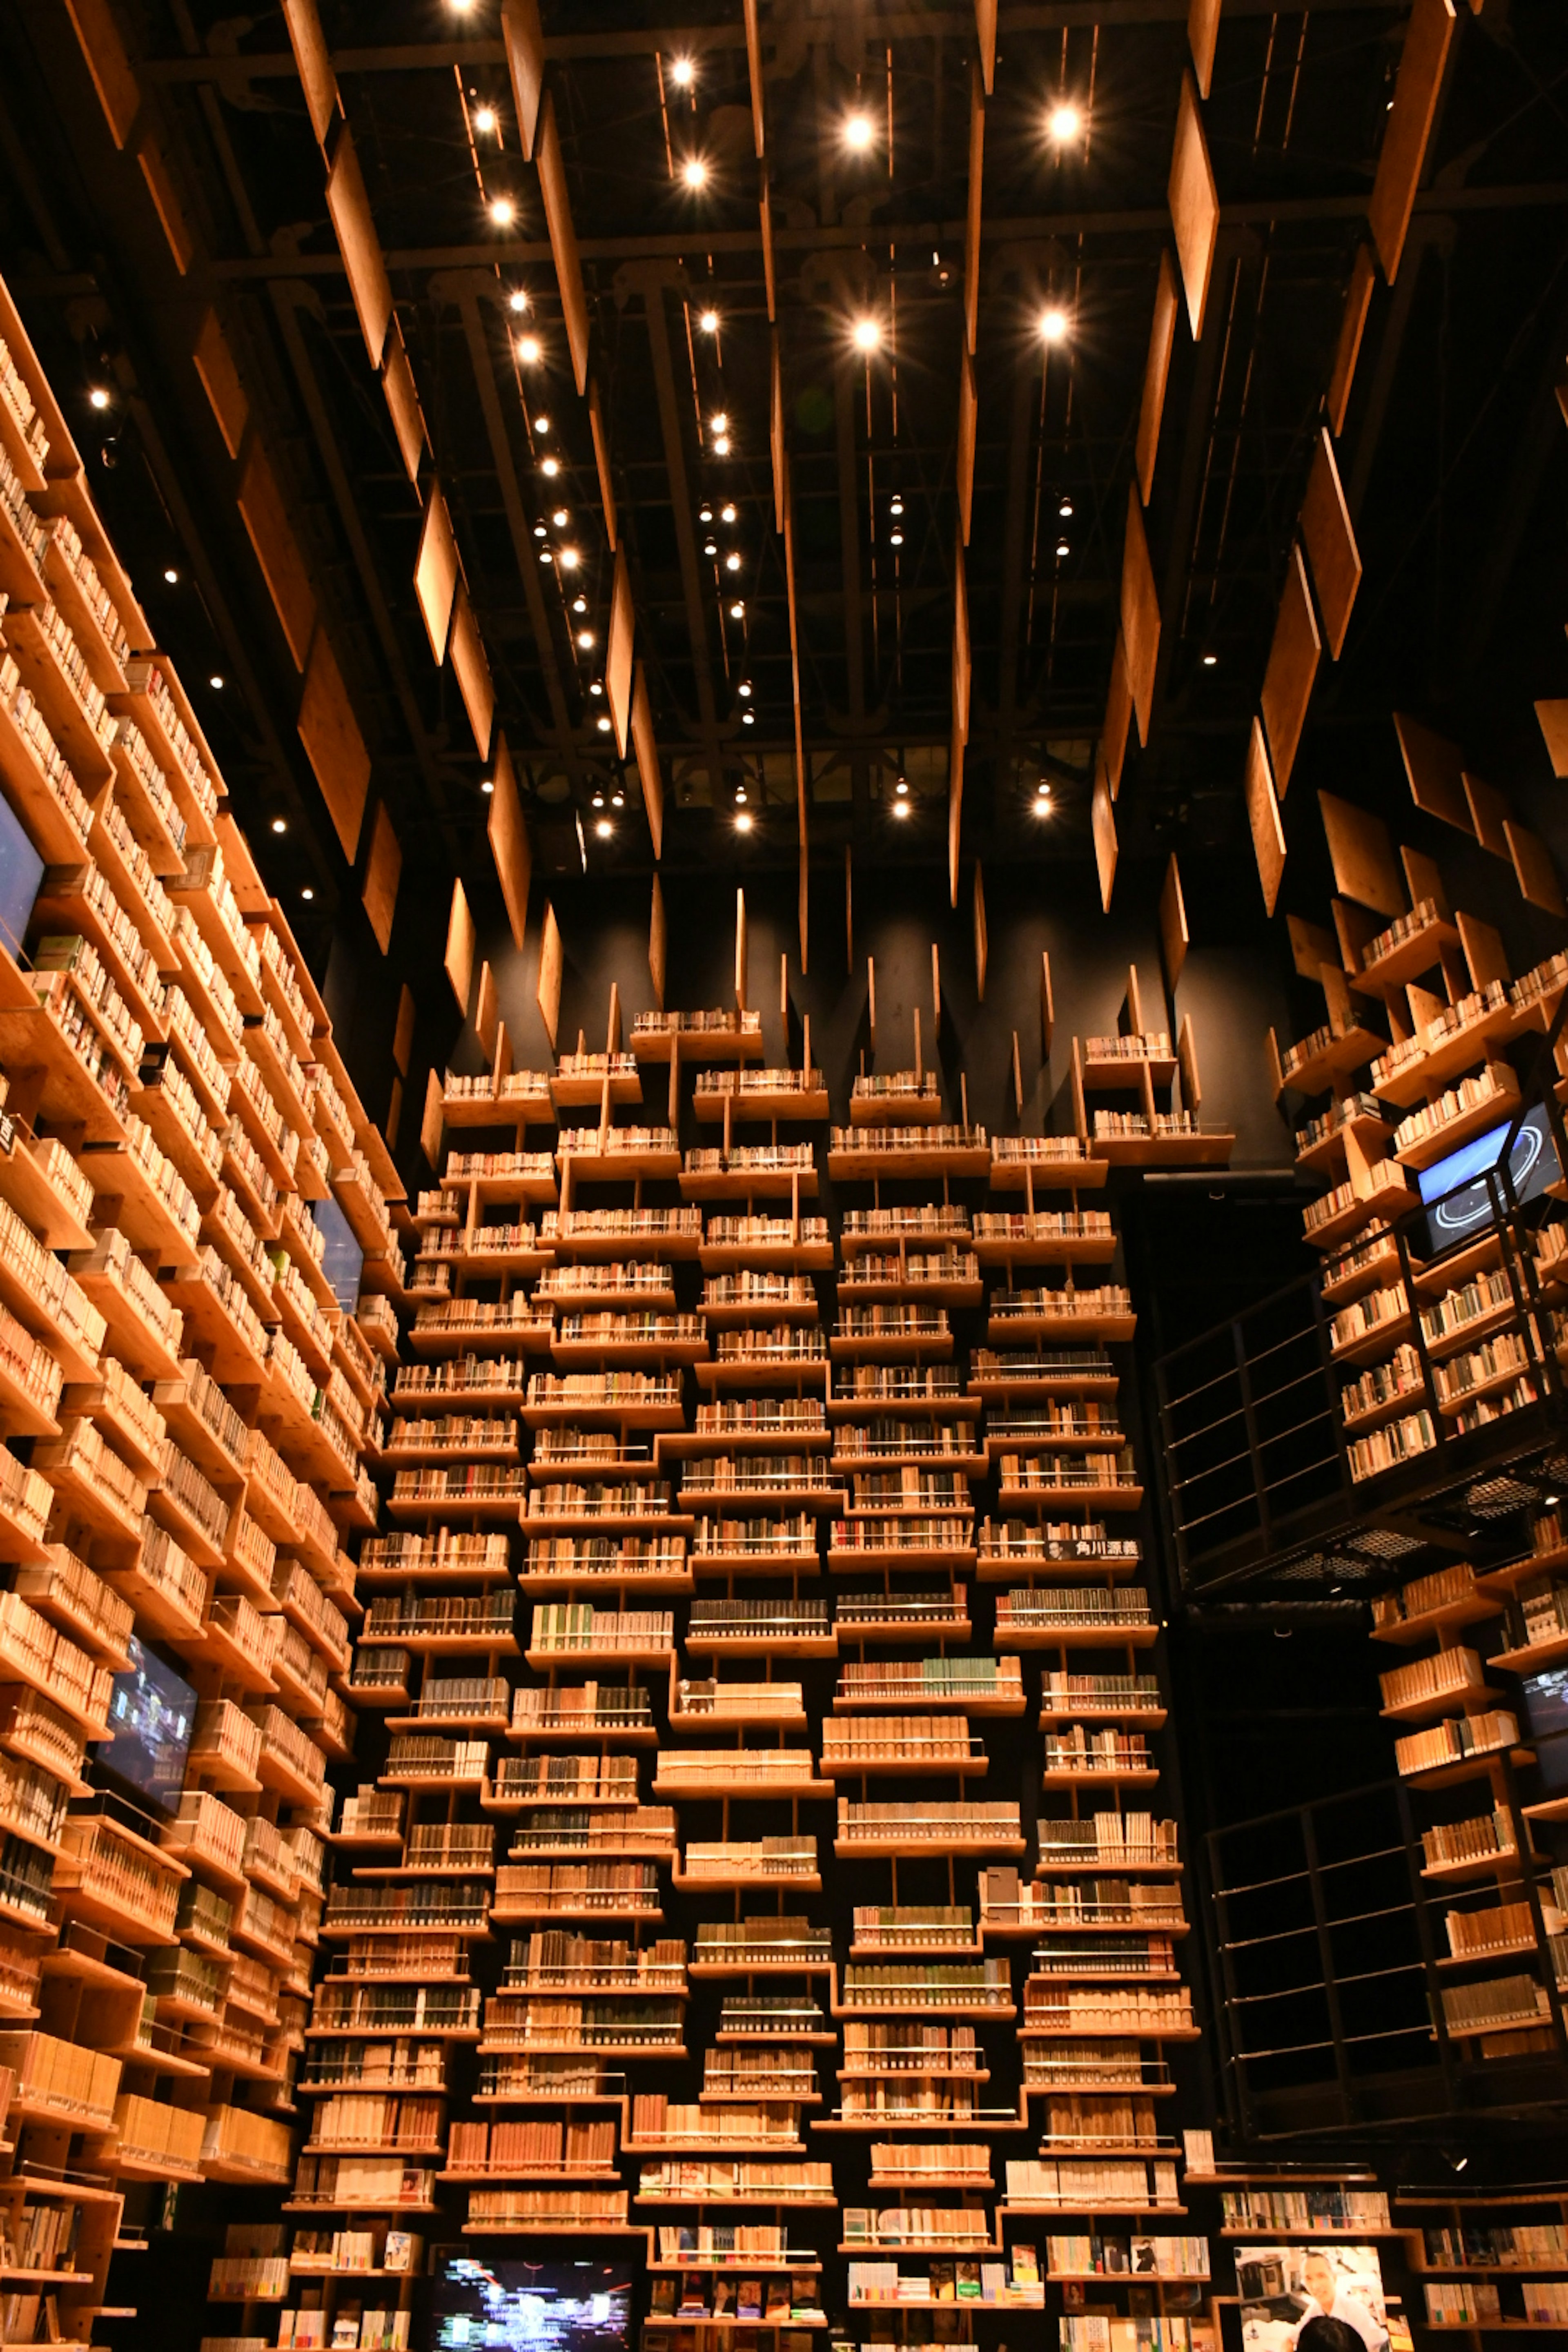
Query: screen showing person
point(1282, 2288)
point(152, 1714)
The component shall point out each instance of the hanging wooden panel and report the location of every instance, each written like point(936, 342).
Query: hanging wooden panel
point(1293, 659)
point(314, 65)
point(1174, 937)
point(403, 1034)
point(432, 1126)
point(1489, 812)
point(1156, 374)
point(658, 945)
point(601, 441)
point(524, 37)
point(264, 513)
point(1538, 879)
point(1361, 855)
point(360, 245)
point(436, 572)
point(402, 395)
point(972, 222)
point(552, 964)
point(618, 654)
point(1263, 815)
point(510, 846)
point(457, 963)
point(220, 380)
point(960, 653)
point(471, 668)
point(334, 743)
point(1103, 818)
point(968, 418)
point(1553, 719)
point(1118, 716)
point(1427, 37)
point(981, 939)
point(1330, 544)
point(1202, 33)
point(1140, 614)
point(563, 243)
point(645, 744)
point(1435, 770)
point(383, 870)
point(1194, 206)
point(1352, 327)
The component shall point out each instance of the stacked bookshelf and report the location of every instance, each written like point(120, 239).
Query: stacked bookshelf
point(186, 1406)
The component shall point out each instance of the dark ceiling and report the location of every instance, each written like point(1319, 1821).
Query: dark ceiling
point(1452, 457)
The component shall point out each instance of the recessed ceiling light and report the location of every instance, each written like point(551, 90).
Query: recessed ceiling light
point(98, 396)
point(529, 350)
point(485, 119)
point(503, 212)
point(895, 538)
point(307, 892)
point(597, 686)
point(216, 682)
point(542, 424)
point(487, 787)
point(617, 800)
point(545, 556)
point(867, 334)
point(585, 640)
point(683, 73)
point(1062, 547)
point(896, 507)
point(744, 690)
point(748, 718)
point(1054, 326)
point(1064, 122)
point(704, 514)
point(598, 799)
point(1065, 510)
point(540, 531)
point(858, 132)
point(709, 547)
point(708, 322)
point(280, 825)
point(170, 576)
point(902, 787)
point(604, 726)
point(1211, 661)
point(694, 172)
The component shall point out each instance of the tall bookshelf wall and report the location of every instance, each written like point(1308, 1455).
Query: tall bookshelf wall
point(183, 1405)
point(765, 1866)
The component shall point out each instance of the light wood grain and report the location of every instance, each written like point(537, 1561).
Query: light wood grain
point(509, 844)
point(1293, 659)
point(1330, 545)
point(1194, 206)
point(1263, 815)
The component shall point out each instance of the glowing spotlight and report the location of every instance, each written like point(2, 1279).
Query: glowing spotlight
point(683, 73)
point(603, 828)
point(604, 725)
point(858, 132)
point(280, 825)
point(617, 800)
point(485, 121)
point(901, 808)
point(740, 796)
point(721, 445)
point(731, 564)
point(1041, 802)
point(503, 212)
point(744, 690)
point(517, 299)
point(1064, 122)
point(895, 538)
point(170, 576)
point(708, 322)
point(585, 641)
point(743, 821)
point(561, 517)
point(579, 603)
point(737, 612)
point(487, 787)
point(897, 506)
point(529, 350)
point(720, 424)
point(307, 892)
point(545, 556)
point(1062, 548)
point(215, 683)
point(98, 396)
point(542, 424)
point(867, 334)
point(1211, 661)
point(902, 788)
point(598, 799)
point(726, 514)
point(570, 559)
point(1054, 326)
point(597, 686)
point(748, 718)
point(540, 531)
point(1065, 510)
point(549, 468)
point(694, 172)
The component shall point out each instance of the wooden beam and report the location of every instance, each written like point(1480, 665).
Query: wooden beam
point(743, 965)
point(524, 37)
point(935, 992)
point(972, 219)
point(457, 964)
point(981, 943)
point(986, 33)
point(1048, 1002)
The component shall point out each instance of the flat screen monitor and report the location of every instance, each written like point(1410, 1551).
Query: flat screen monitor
point(342, 1261)
point(152, 1714)
point(1546, 1712)
point(1456, 1182)
point(21, 871)
point(496, 2303)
